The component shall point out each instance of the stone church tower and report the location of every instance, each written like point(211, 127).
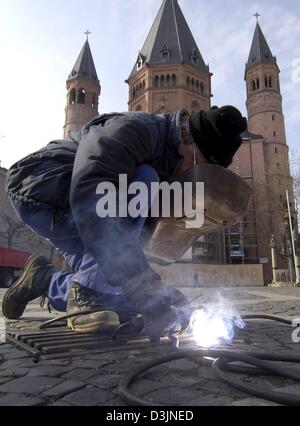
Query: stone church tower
point(263, 161)
point(170, 73)
point(84, 89)
point(265, 153)
point(169, 70)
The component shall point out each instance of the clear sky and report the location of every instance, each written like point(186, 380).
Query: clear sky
point(40, 41)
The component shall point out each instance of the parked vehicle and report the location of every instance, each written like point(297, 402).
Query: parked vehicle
point(11, 264)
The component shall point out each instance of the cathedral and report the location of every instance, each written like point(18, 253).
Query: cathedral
point(170, 73)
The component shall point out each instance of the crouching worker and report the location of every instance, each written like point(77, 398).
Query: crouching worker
point(55, 192)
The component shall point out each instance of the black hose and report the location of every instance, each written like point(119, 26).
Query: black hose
point(267, 317)
point(255, 390)
point(254, 363)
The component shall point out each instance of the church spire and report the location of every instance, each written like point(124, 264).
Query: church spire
point(84, 89)
point(84, 66)
point(170, 40)
point(260, 50)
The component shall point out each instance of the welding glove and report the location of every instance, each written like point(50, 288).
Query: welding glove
point(164, 309)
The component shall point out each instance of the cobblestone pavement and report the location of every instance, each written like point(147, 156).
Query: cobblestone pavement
point(93, 379)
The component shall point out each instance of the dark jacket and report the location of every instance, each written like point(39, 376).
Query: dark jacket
point(110, 144)
point(67, 173)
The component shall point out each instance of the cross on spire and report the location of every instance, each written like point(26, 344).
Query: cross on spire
point(257, 15)
point(87, 33)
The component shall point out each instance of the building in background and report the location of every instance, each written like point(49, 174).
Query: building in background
point(83, 91)
point(170, 73)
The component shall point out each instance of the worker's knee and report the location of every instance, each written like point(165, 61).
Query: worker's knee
point(147, 174)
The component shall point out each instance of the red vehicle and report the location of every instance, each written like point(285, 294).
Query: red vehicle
point(11, 264)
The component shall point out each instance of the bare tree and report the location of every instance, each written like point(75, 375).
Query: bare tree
point(17, 235)
point(12, 231)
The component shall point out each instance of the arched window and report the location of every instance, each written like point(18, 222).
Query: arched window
point(137, 89)
point(202, 88)
point(156, 81)
point(94, 103)
point(133, 93)
point(174, 80)
point(266, 82)
point(144, 85)
point(81, 96)
point(193, 84)
point(188, 82)
point(257, 83)
point(72, 97)
point(197, 86)
point(270, 82)
point(253, 85)
point(140, 88)
point(162, 81)
point(168, 80)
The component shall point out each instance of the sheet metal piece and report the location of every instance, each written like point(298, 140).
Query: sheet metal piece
point(226, 201)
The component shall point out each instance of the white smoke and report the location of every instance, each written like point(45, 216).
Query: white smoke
point(216, 324)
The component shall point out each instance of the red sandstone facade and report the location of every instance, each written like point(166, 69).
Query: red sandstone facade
point(169, 74)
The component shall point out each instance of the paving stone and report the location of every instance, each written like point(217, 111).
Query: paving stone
point(48, 371)
point(60, 403)
point(16, 400)
point(107, 382)
point(144, 387)
point(90, 364)
point(254, 402)
point(79, 374)
point(6, 347)
point(119, 367)
point(117, 402)
point(13, 354)
point(63, 389)
point(108, 356)
point(90, 396)
point(26, 362)
point(294, 389)
point(179, 380)
point(209, 401)
point(183, 365)
point(58, 362)
point(14, 372)
point(172, 396)
point(29, 385)
point(214, 386)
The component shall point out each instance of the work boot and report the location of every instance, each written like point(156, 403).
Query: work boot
point(33, 283)
point(105, 317)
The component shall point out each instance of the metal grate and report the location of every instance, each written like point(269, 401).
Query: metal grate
point(65, 343)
